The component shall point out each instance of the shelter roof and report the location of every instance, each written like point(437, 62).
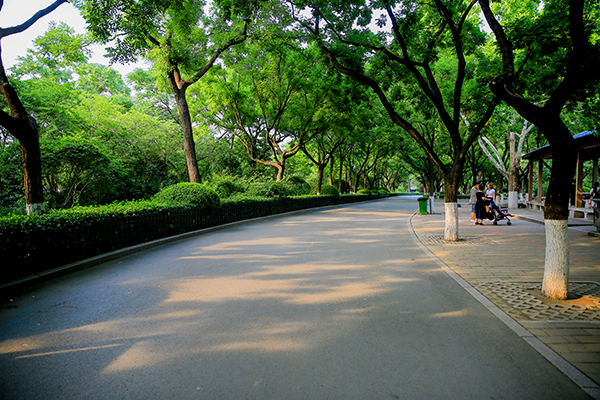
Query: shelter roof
point(589, 148)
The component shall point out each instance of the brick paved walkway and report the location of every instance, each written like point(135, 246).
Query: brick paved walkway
point(506, 264)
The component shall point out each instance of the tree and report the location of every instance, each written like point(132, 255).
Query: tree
point(22, 125)
point(272, 98)
point(346, 108)
point(150, 97)
point(557, 54)
point(71, 165)
point(178, 35)
point(515, 150)
point(321, 152)
point(432, 52)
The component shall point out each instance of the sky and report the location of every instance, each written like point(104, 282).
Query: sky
point(15, 12)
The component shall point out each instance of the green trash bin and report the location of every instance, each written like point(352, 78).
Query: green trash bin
point(423, 205)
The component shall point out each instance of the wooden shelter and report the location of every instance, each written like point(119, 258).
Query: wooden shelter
point(589, 150)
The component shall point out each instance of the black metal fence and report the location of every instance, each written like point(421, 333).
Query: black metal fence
point(41, 249)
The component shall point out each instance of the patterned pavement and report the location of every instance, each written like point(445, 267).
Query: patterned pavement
point(506, 264)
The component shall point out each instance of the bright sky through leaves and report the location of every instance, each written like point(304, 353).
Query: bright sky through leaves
point(13, 13)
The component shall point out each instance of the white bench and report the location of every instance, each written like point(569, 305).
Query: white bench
point(581, 212)
point(535, 206)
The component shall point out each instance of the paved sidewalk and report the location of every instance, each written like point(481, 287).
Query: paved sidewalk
point(506, 264)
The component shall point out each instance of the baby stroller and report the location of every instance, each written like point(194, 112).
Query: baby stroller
point(497, 214)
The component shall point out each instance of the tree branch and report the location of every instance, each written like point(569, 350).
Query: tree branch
point(241, 37)
point(4, 32)
point(573, 79)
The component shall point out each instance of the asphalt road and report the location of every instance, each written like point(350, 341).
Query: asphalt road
point(337, 303)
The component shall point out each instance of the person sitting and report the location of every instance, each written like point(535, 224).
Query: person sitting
point(490, 194)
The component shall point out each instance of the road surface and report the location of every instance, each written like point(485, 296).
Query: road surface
point(336, 303)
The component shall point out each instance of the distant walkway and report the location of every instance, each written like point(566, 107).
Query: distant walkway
point(336, 303)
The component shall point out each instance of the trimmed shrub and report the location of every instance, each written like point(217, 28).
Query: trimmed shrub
point(326, 190)
point(363, 191)
point(189, 193)
point(383, 192)
point(226, 186)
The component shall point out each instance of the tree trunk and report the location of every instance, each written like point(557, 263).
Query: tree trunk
point(499, 186)
point(451, 208)
point(349, 175)
point(320, 171)
point(331, 170)
point(280, 170)
point(356, 180)
point(340, 174)
point(555, 283)
point(513, 173)
point(25, 129)
point(556, 214)
point(189, 146)
point(31, 157)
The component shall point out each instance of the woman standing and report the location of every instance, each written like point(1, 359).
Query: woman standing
point(480, 206)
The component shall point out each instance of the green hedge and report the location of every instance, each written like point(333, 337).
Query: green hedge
point(31, 244)
point(189, 193)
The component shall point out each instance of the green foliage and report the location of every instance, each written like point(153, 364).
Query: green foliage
point(226, 186)
point(12, 199)
point(55, 220)
point(56, 54)
point(75, 172)
point(189, 193)
point(363, 191)
point(301, 187)
point(270, 189)
point(326, 190)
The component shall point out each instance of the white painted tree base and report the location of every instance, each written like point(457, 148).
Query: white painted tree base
point(35, 208)
point(451, 223)
point(556, 268)
point(513, 200)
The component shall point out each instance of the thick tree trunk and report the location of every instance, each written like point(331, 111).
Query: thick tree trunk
point(32, 173)
point(320, 172)
point(189, 146)
point(555, 283)
point(25, 129)
point(556, 214)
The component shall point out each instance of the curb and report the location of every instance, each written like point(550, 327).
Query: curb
point(535, 221)
point(578, 377)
